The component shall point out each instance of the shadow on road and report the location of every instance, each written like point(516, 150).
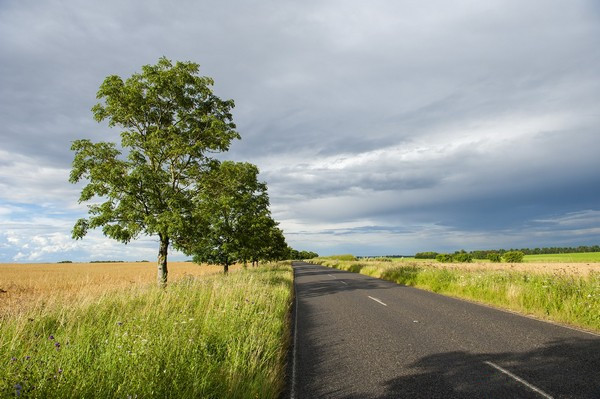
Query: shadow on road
point(466, 375)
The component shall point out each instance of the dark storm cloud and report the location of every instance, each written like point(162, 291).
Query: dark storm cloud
point(390, 124)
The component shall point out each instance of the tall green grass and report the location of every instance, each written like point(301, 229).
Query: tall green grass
point(559, 297)
point(211, 337)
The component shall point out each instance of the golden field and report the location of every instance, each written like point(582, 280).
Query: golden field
point(25, 285)
point(573, 269)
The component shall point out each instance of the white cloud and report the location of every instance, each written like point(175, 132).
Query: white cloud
point(402, 114)
point(28, 180)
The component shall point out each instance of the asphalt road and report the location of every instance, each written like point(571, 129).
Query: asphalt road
point(361, 337)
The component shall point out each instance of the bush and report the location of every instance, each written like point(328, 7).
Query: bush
point(462, 257)
point(513, 256)
point(494, 257)
point(444, 258)
point(65, 261)
point(426, 255)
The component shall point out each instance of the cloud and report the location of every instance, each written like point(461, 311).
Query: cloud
point(31, 233)
point(402, 124)
point(23, 179)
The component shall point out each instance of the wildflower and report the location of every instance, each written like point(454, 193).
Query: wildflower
point(13, 359)
point(51, 337)
point(57, 345)
point(119, 323)
point(27, 357)
point(60, 371)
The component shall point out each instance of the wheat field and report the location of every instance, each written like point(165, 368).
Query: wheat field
point(25, 285)
point(538, 266)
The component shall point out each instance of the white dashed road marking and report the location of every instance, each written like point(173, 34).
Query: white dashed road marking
point(522, 381)
point(378, 301)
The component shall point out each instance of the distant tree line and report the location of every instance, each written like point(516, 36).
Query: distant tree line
point(467, 257)
point(107, 261)
point(485, 253)
point(299, 255)
point(426, 255)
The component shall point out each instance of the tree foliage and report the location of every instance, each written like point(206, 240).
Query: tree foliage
point(513, 256)
point(301, 255)
point(171, 123)
point(462, 257)
point(236, 221)
point(444, 258)
point(426, 255)
point(494, 257)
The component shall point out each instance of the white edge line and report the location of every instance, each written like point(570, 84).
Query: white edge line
point(343, 282)
point(331, 275)
point(377, 300)
point(522, 381)
point(295, 343)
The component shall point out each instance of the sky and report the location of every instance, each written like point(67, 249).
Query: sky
point(380, 127)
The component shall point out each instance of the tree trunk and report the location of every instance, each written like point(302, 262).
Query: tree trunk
point(225, 268)
point(162, 261)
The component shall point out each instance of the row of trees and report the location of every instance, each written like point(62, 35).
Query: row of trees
point(164, 181)
point(299, 255)
point(235, 221)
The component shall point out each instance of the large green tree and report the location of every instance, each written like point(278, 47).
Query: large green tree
point(237, 222)
point(171, 122)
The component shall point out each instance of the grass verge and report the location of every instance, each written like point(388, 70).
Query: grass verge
point(558, 297)
point(212, 337)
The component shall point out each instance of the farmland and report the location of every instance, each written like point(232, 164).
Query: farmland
point(584, 257)
point(106, 330)
point(569, 264)
point(25, 285)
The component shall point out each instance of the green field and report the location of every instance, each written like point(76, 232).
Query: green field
point(582, 257)
point(210, 337)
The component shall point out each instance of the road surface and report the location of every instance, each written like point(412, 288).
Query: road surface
point(361, 337)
